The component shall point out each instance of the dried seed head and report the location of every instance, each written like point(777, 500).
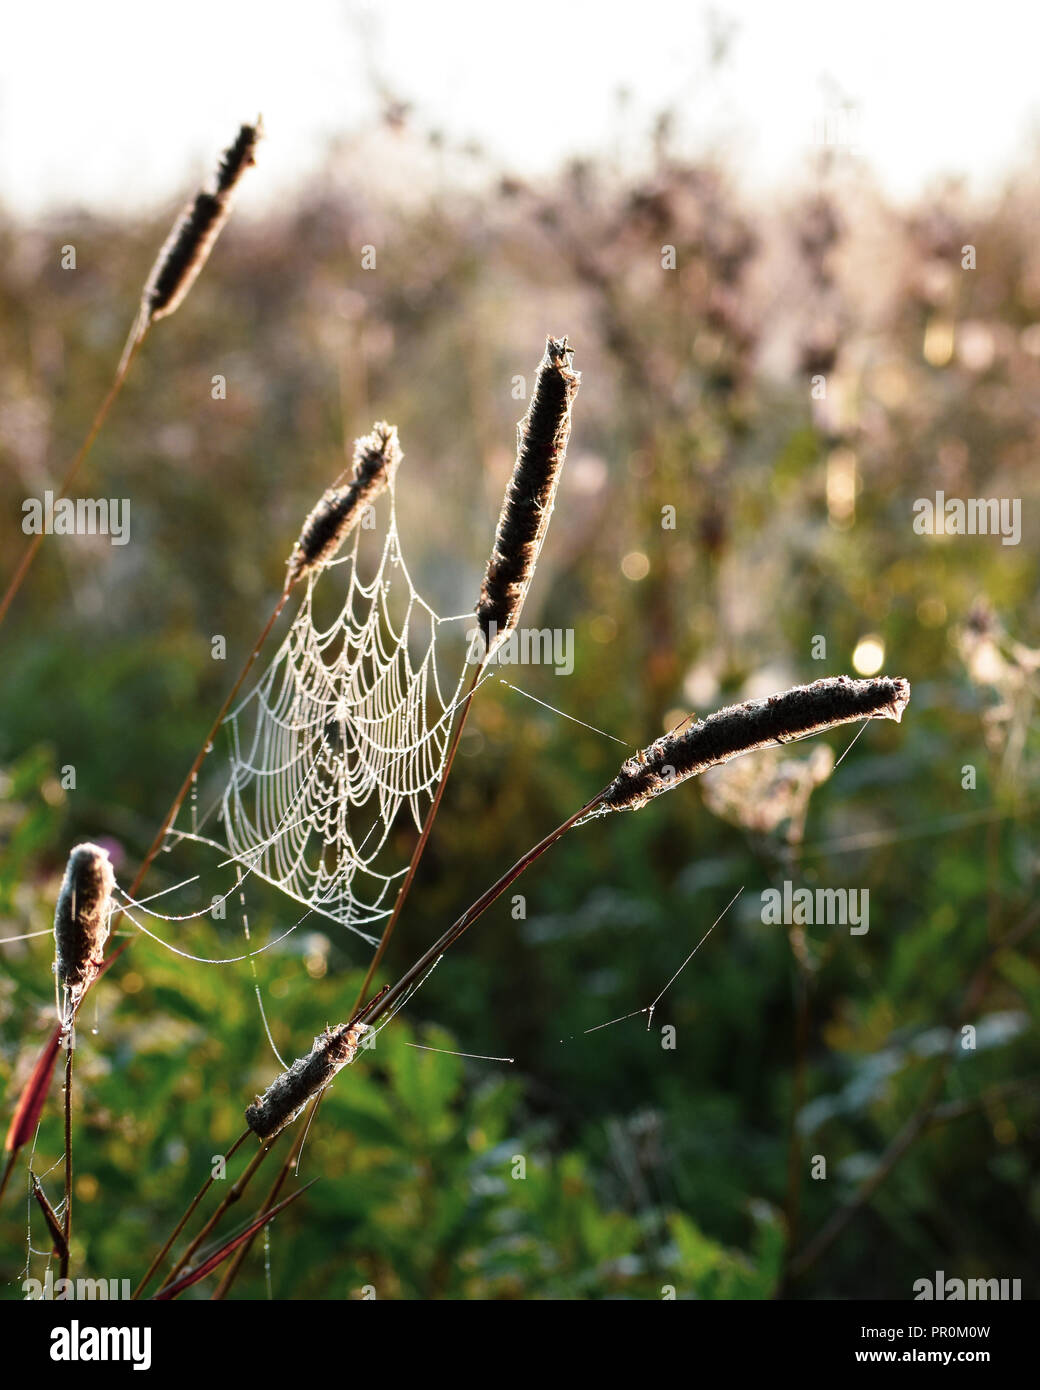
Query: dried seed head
point(186, 249)
point(796, 713)
point(81, 919)
point(289, 1093)
point(376, 458)
point(238, 157)
point(541, 448)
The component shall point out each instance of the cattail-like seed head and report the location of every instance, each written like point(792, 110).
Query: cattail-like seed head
point(541, 448)
point(376, 459)
point(796, 713)
point(81, 919)
point(289, 1093)
point(238, 157)
point(186, 249)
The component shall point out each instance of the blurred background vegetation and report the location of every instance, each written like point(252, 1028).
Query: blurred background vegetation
point(646, 1166)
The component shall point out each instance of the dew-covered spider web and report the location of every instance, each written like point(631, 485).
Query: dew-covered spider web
point(346, 727)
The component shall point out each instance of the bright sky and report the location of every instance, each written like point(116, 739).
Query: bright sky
point(124, 101)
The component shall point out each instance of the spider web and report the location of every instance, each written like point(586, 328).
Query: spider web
point(348, 723)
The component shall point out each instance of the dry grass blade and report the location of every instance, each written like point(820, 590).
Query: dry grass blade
point(34, 1093)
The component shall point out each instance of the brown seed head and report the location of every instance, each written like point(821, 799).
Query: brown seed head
point(187, 248)
point(376, 459)
point(796, 713)
point(542, 437)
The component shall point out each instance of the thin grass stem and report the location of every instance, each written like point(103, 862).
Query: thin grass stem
point(146, 1278)
point(233, 1194)
point(18, 578)
point(67, 1215)
point(231, 1273)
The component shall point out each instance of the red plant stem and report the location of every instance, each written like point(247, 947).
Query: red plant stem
point(231, 1273)
point(194, 1275)
point(184, 1220)
point(233, 1194)
point(181, 1225)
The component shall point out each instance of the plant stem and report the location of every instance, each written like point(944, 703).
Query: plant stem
point(383, 1002)
point(84, 449)
point(379, 1006)
point(231, 1272)
point(184, 1220)
point(146, 863)
point(210, 1263)
point(233, 1194)
point(67, 1219)
point(417, 853)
